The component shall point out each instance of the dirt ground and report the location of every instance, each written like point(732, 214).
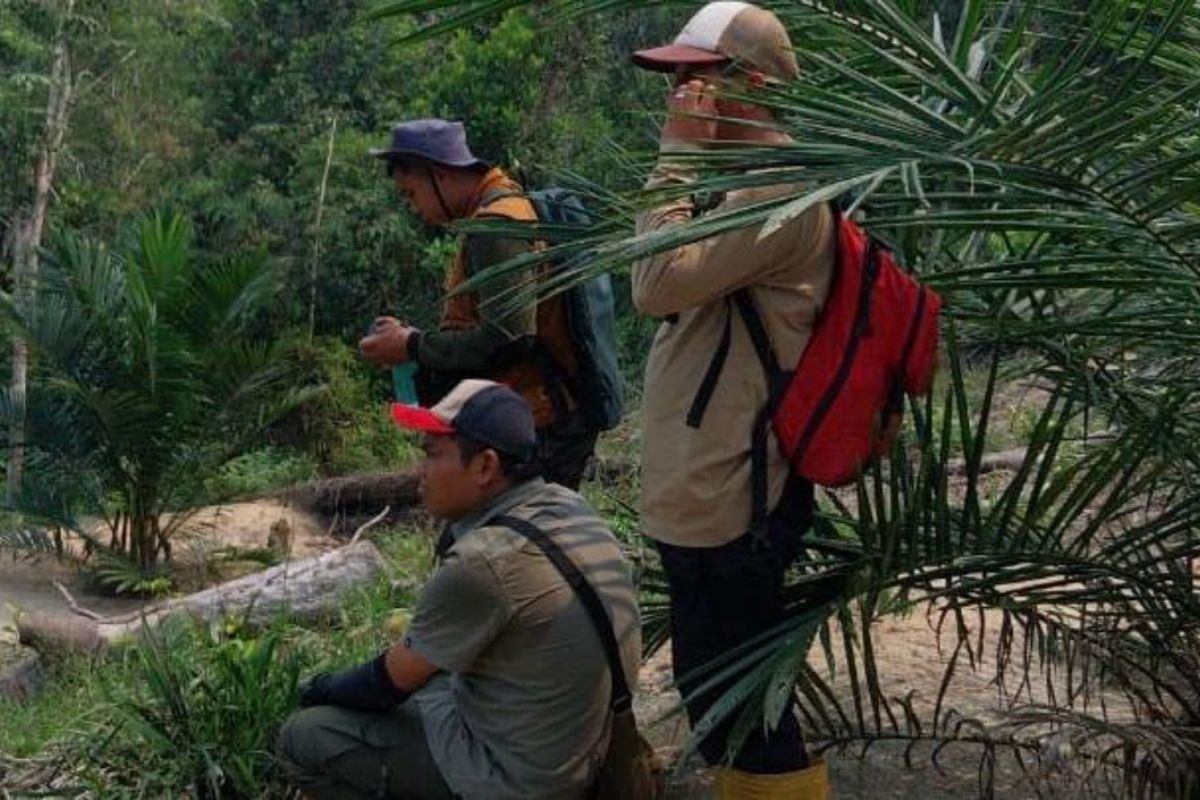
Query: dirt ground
point(28, 584)
point(911, 660)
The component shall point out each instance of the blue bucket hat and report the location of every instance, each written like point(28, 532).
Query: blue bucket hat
point(435, 140)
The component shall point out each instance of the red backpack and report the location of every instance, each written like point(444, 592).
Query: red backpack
point(875, 341)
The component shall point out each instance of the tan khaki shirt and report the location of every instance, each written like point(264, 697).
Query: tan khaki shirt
point(696, 489)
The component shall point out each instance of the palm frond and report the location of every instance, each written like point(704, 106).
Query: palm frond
point(1039, 167)
point(146, 373)
point(23, 540)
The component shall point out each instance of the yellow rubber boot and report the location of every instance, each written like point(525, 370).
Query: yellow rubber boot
point(805, 784)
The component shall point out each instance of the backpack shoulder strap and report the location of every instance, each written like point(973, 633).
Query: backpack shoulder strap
point(622, 700)
point(744, 303)
point(492, 201)
point(708, 384)
point(758, 333)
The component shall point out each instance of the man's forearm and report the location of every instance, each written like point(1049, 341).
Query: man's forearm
point(367, 687)
point(378, 685)
point(477, 347)
point(468, 349)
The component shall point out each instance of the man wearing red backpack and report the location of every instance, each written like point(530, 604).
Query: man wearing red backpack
point(717, 496)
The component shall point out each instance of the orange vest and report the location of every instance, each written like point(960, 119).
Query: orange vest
point(528, 377)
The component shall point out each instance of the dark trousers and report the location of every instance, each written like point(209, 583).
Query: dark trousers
point(333, 753)
point(721, 597)
point(565, 450)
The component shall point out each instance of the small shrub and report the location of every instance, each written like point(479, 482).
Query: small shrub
point(110, 572)
point(196, 713)
point(347, 428)
point(66, 706)
point(193, 710)
point(260, 471)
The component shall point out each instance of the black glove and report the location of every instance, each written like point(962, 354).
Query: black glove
point(367, 687)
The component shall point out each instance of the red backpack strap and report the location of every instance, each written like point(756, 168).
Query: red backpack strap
point(896, 400)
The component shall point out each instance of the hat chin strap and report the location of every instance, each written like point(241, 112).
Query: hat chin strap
point(437, 190)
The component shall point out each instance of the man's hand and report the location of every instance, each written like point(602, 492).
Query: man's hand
point(366, 687)
point(691, 114)
point(386, 345)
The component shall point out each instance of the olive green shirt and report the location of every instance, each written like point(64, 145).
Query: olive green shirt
point(522, 711)
point(475, 349)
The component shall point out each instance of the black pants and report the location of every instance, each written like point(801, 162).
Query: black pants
point(565, 450)
point(723, 596)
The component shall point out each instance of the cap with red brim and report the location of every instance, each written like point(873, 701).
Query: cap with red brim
point(668, 57)
point(415, 418)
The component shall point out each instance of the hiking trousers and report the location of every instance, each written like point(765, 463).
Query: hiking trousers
point(565, 451)
point(329, 752)
point(720, 598)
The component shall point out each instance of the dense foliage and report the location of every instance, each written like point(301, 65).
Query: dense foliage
point(148, 372)
point(226, 110)
point(1036, 162)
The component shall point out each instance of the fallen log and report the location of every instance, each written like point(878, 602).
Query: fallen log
point(306, 590)
point(356, 493)
point(1007, 460)
point(20, 672)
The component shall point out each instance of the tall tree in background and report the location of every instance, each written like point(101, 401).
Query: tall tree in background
point(27, 229)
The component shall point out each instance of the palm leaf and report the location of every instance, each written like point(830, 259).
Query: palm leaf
point(1039, 168)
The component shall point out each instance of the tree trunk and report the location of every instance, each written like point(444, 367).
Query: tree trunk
point(356, 493)
point(28, 239)
point(316, 257)
point(308, 590)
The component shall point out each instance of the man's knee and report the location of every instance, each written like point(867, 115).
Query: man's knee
point(309, 741)
point(296, 745)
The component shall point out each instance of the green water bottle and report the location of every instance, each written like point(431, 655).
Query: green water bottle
point(402, 383)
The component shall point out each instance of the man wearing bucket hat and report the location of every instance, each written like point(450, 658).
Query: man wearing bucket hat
point(481, 334)
point(702, 484)
point(501, 687)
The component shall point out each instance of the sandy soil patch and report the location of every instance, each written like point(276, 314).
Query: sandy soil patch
point(910, 661)
point(29, 583)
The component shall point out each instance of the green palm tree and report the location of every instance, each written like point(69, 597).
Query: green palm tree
point(148, 372)
point(1038, 165)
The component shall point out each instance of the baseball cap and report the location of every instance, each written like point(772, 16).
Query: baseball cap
point(488, 412)
point(727, 31)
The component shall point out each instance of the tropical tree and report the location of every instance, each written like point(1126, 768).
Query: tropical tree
point(148, 370)
point(27, 231)
point(1038, 165)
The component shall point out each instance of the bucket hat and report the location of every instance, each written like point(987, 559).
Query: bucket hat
point(437, 140)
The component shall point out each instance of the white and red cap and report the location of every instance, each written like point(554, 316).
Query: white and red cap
point(723, 32)
point(488, 412)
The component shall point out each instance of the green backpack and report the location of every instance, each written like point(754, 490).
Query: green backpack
point(591, 318)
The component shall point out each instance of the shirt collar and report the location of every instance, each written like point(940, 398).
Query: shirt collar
point(499, 505)
point(494, 181)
